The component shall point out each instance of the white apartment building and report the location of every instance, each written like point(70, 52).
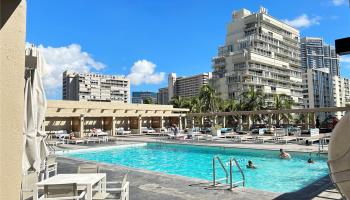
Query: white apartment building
point(186, 86)
point(95, 87)
point(260, 52)
point(318, 88)
point(321, 89)
point(341, 93)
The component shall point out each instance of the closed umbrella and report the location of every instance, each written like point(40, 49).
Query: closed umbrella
point(34, 146)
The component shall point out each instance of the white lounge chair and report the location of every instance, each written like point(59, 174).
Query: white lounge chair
point(122, 131)
point(242, 138)
point(98, 132)
point(283, 139)
point(178, 136)
point(147, 130)
point(76, 141)
point(62, 192)
point(261, 139)
point(62, 134)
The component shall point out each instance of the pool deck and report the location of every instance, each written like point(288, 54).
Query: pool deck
point(145, 184)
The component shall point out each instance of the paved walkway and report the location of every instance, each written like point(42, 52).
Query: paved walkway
point(146, 185)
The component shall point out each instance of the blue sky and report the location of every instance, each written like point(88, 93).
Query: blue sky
point(149, 39)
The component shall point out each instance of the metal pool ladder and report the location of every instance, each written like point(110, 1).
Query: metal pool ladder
point(228, 175)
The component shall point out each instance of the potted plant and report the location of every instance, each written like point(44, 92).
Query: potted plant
point(216, 130)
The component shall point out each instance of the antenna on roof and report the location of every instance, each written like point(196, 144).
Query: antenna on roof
point(262, 10)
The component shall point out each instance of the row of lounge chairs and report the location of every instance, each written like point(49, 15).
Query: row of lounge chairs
point(62, 137)
point(243, 137)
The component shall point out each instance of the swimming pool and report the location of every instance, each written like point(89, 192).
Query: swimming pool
point(272, 174)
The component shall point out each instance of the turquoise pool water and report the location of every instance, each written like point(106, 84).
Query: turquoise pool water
point(272, 173)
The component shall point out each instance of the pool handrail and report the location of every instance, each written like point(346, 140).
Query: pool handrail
point(231, 161)
point(214, 169)
point(240, 170)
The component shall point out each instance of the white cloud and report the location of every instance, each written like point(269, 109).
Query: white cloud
point(338, 2)
point(143, 71)
point(303, 21)
point(345, 62)
point(345, 59)
point(59, 59)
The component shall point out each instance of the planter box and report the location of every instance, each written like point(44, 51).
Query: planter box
point(216, 132)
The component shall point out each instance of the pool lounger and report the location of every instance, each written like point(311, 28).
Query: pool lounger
point(283, 139)
point(242, 138)
point(75, 141)
point(307, 140)
point(94, 140)
point(262, 139)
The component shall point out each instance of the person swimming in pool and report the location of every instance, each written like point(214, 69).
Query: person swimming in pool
point(310, 161)
point(251, 165)
point(284, 155)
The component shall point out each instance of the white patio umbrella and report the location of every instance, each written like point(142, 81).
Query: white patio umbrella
point(339, 156)
point(34, 147)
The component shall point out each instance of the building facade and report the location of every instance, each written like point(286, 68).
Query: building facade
point(321, 89)
point(320, 64)
point(186, 86)
point(341, 93)
point(140, 97)
point(163, 96)
point(318, 88)
point(95, 87)
point(260, 52)
point(316, 54)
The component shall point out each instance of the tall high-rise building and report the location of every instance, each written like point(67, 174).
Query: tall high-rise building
point(186, 86)
point(163, 96)
point(140, 97)
point(316, 54)
point(95, 87)
point(260, 52)
point(318, 88)
point(341, 93)
point(320, 64)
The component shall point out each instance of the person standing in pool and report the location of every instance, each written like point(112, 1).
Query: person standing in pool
point(284, 155)
point(250, 165)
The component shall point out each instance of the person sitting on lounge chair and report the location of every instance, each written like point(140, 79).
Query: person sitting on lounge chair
point(284, 155)
point(71, 136)
point(251, 165)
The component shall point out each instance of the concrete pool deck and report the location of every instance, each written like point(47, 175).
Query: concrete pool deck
point(145, 184)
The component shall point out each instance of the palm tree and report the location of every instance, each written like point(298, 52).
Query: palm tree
point(148, 100)
point(253, 100)
point(208, 99)
point(177, 101)
point(282, 101)
point(195, 105)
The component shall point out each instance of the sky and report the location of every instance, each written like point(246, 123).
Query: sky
point(146, 40)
